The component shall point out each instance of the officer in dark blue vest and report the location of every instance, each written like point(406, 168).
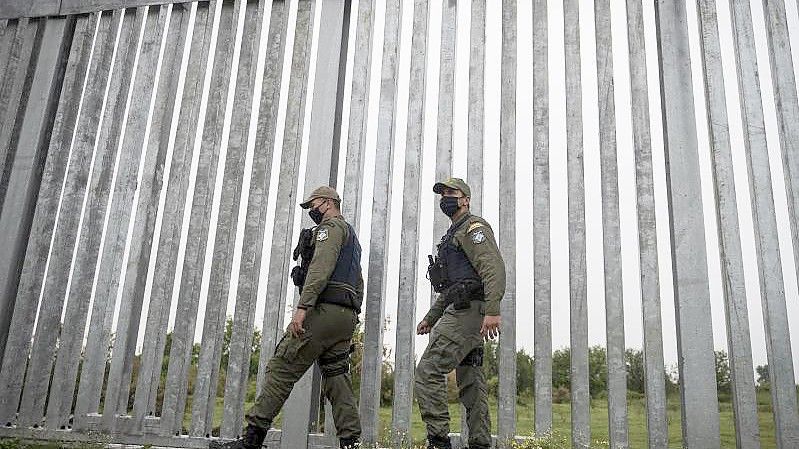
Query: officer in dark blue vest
point(331, 293)
point(468, 273)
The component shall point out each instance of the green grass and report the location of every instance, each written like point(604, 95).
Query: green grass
point(561, 422)
point(15, 443)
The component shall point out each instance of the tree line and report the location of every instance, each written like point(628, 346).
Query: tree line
point(525, 371)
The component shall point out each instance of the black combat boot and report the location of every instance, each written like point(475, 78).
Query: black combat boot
point(349, 443)
point(434, 442)
point(253, 439)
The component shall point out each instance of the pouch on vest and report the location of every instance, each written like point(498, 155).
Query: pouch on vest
point(437, 275)
point(303, 250)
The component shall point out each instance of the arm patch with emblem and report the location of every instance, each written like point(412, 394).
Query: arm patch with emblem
point(478, 237)
point(322, 235)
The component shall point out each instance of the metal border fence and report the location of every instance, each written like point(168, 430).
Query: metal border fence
point(117, 118)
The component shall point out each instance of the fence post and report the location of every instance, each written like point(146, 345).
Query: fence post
point(49, 41)
point(700, 416)
point(506, 415)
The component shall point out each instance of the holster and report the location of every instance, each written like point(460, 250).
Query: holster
point(463, 293)
point(436, 273)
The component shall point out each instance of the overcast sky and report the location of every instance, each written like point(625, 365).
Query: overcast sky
point(559, 223)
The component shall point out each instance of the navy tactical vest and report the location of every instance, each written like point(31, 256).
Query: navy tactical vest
point(348, 265)
point(456, 265)
point(341, 287)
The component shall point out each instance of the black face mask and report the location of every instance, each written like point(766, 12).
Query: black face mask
point(316, 215)
point(449, 205)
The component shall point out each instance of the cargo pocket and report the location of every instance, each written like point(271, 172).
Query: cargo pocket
point(280, 349)
point(294, 350)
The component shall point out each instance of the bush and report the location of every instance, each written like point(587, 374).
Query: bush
point(561, 395)
point(10, 443)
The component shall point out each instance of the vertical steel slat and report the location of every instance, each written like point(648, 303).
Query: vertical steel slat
point(14, 93)
point(8, 28)
point(374, 307)
point(37, 115)
point(359, 113)
point(744, 399)
point(506, 414)
point(446, 106)
point(611, 238)
point(700, 416)
point(404, 361)
point(476, 123)
point(578, 299)
point(657, 424)
point(769, 262)
point(783, 82)
point(476, 118)
point(542, 265)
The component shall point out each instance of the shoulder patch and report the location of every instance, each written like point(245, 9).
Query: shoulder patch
point(322, 235)
point(474, 226)
point(478, 237)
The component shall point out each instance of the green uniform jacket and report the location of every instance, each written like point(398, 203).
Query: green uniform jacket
point(476, 239)
point(329, 237)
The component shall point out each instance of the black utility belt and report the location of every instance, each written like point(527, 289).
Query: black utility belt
point(480, 298)
point(339, 297)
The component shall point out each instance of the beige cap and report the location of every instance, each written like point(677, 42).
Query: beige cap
point(320, 192)
point(452, 183)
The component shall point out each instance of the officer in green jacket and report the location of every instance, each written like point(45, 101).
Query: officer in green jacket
point(469, 274)
point(321, 328)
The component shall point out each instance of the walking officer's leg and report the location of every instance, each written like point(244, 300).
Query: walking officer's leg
point(474, 396)
point(293, 356)
point(337, 386)
point(442, 355)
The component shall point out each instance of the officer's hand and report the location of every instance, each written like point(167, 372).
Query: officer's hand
point(490, 328)
point(295, 327)
point(423, 327)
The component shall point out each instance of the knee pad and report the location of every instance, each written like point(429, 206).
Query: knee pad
point(333, 371)
point(335, 364)
point(473, 358)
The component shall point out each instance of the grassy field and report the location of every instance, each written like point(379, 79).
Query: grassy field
point(561, 420)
